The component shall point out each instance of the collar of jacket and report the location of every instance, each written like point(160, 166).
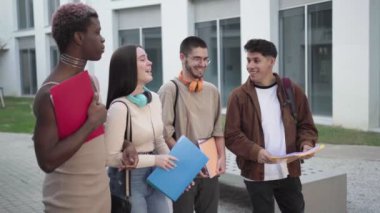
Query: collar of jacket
point(249, 88)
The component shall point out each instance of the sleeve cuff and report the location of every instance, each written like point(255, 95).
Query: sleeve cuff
point(146, 161)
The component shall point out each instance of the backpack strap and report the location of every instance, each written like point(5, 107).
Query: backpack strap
point(175, 104)
point(290, 96)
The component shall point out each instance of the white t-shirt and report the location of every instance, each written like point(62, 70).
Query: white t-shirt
point(273, 128)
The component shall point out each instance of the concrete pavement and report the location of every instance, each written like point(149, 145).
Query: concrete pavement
point(360, 163)
point(21, 178)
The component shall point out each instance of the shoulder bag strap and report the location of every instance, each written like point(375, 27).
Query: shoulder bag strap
point(127, 137)
point(175, 104)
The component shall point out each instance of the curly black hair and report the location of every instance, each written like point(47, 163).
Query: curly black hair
point(68, 19)
point(266, 48)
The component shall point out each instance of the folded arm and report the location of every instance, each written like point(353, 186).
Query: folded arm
point(51, 152)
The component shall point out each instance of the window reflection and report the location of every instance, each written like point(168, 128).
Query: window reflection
point(292, 45)
point(226, 72)
point(152, 43)
point(320, 58)
point(25, 15)
point(230, 56)
point(28, 66)
point(316, 78)
point(52, 6)
point(153, 46)
point(207, 31)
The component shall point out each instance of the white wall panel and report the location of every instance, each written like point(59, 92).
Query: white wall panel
point(259, 19)
point(285, 4)
point(211, 10)
point(149, 16)
point(351, 63)
point(176, 25)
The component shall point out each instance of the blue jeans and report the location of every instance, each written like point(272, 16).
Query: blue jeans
point(146, 199)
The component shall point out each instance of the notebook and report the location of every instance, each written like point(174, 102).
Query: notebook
point(71, 99)
point(173, 183)
point(208, 147)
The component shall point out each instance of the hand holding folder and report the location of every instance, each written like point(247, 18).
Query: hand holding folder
point(297, 155)
point(174, 181)
point(71, 99)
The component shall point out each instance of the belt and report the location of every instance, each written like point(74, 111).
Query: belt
point(145, 153)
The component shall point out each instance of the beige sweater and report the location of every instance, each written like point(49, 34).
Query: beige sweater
point(197, 114)
point(147, 131)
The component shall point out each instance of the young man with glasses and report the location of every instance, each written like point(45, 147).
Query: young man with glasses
point(191, 107)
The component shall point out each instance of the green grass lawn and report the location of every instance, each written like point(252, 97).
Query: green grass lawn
point(338, 135)
point(17, 117)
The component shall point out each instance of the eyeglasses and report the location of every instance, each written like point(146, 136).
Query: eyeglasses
point(199, 60)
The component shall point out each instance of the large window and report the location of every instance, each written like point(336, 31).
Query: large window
point(129, 37)
point(52, 5)
point(306, 57)
point(207, 31)
point(54, 52)
point(28, 66)
point(25, 15)
point(54, 57)
point(150, 39)
point(223, 40)
point(292, 51)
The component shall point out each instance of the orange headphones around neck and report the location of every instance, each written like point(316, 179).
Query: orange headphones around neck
point(194, 86)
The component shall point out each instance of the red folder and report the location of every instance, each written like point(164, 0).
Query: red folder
point(71, 99)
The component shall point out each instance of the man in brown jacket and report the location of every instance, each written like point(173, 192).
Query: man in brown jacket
point(260, 125)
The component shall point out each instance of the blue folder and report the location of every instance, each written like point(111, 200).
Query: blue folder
point(174, 182)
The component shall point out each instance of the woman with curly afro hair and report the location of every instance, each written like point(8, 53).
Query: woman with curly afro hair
point(76, 179)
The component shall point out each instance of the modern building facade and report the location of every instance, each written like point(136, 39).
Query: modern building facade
point(331, 48)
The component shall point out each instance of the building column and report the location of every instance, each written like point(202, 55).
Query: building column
point(41, 44)
point(177, 24)
point(351, 63)
point(258, 19)
point(374, 86)
point(109, 27)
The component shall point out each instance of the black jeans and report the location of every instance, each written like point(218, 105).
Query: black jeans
point(287, 192)
point(203, 197)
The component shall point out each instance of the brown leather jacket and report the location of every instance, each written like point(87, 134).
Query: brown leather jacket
point(244, 135)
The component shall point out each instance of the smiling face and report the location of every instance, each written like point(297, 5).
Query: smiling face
point(144, 67)
point(195, 63)
point(260, 68)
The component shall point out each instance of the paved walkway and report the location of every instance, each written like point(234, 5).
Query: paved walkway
point(21, 178)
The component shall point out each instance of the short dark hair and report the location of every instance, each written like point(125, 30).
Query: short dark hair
point(266, 48)
point(68, 19)
point(191, 42)
point(123, 73)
